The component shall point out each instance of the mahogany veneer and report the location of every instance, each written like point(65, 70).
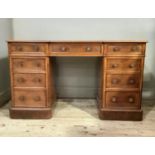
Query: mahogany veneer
point(120, 89)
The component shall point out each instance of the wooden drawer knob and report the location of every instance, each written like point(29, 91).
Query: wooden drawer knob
point(115, 81)
point(19, 48)
point(113, 99)
point(115, 49)
point(114, 65)
point(21, 80)
point(131, 81)
point(38, 64)
point(36, 48)
point(37, 80)
point(22, 98)
point(132, 65)
point(20, 64)
point(134, 48)
point(88, 49)
point(131, 99)
point(37, 98)
point(63, 49)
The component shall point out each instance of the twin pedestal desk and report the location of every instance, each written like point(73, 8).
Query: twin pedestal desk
point(120, 90)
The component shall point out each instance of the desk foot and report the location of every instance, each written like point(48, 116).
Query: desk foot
point(132, 115)
point(31, 113)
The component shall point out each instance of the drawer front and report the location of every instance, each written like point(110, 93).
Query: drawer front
point(29, 80)
point(125, 49)
point(28, 47)
point(75, 47)
point(27, 64)
point(123, 81)
point(122, 99)
point(29, 98)
point(123, 64)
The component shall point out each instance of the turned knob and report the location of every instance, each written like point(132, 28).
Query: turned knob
point(38, 80)
point(19, 48)
point(88, 49)
point(21, 64)
point(37, 98)
point(131, 81)
point(113, 99)
point(115, 49)
point(134, 48)
point(38, 64)
point(132, 65)
point(114, 65)
point(131, 99)
point(36, 48)
point(21, 80)
point(115, 81)
point(22, 98)
point(63, 49)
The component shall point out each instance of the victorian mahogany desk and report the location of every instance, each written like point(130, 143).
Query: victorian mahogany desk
point(120, 90)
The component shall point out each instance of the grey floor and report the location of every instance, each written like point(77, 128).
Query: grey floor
point(78, 118)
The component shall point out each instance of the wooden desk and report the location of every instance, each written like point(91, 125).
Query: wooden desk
point(120, 89)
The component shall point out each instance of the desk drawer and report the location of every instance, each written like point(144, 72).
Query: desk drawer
point(28, 47)
point(122, 99)
point(29, 80)
point(125, 49)
point(123, 81)
point(28, 65)
point(29, 98)
point(123, 64)
point(75, 47)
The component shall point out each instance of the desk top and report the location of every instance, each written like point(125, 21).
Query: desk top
point(80, 41)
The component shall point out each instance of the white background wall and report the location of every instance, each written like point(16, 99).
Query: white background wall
point(5, 34)
point(78, 77)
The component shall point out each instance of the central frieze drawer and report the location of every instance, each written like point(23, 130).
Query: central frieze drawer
point(29, 80)
point(75, 47)
point(123, 81)
point(30, 98)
